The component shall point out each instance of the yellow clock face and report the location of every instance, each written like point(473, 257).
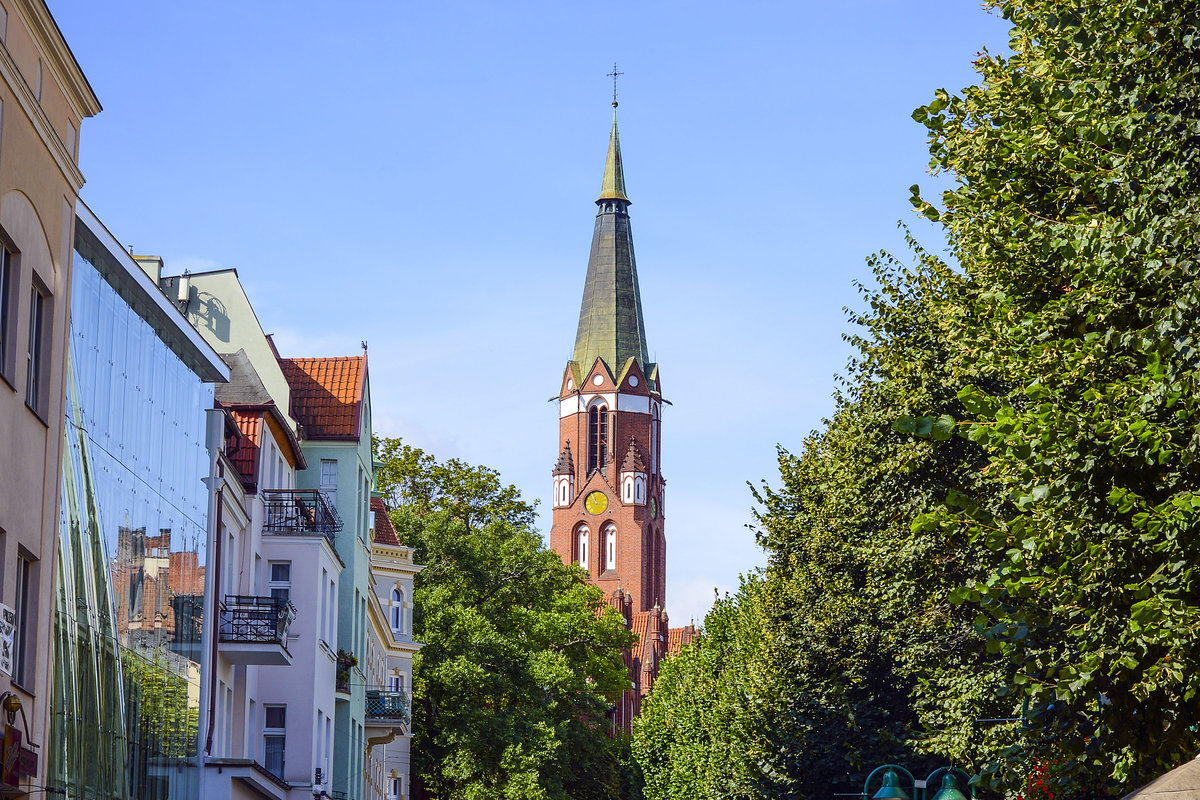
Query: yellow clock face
point(596, 502)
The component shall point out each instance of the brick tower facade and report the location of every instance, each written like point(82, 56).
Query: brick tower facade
point(608, 504)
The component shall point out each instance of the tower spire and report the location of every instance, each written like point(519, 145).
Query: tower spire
point(613, 187)
point(610, 317)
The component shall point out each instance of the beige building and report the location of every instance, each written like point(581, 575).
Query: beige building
point(44, 97)
point(389, 662)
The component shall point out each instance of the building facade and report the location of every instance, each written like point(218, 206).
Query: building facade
point(389, 668)
point(44, 97)
point(139, 454)
point(608, 506)
point(331, 402)
point(269, 713)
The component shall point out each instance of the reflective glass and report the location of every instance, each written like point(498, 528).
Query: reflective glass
point(133, 553)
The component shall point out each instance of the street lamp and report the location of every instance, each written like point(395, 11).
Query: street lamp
point(891, 788)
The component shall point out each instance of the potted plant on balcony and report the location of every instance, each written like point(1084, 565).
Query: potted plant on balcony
point(346, 661)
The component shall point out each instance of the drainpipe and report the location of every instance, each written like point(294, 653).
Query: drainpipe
point(215, 625)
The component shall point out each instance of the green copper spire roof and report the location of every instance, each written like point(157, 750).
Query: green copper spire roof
point(613, 187)
point(610, 317)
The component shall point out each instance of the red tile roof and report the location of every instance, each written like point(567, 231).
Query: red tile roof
point(245, 457)
point(385, 532)
point(327, 394)
point(678, 637)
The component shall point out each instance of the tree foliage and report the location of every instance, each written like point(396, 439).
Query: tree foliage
point(519, 650)
point(1077, 162)
point(1000, 521)
point(697, 731)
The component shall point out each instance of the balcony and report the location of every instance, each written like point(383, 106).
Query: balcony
point(254, 630)
point(299, 512)
point(386, 709)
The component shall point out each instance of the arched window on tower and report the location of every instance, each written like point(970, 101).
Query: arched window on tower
point(654, 440)
point(581, 551)
point(610, 547)
point(597, 437)
point(397, 615)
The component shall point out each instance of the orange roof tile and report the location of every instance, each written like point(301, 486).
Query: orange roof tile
point(385, 532)
point(678, 637)
point(245, 457)
point(327, 394)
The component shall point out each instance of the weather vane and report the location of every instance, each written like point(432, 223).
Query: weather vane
point(614, 75)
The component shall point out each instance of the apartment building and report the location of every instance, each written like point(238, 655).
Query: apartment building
point(44, 97)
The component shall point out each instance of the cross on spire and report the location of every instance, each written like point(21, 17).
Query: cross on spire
point(614, 75)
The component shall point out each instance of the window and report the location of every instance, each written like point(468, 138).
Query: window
point(597, 437)
point(395, 683)
point(610, 547)
point(393, 789)
point(274, 738)
point(22, 637)
point(280, 584)
point(397, 610)
point(329, 475)
point(583, 548)
point(654, 442)
point(38, 87)
point(7, 314)
point(324, 604)
point(34, 372)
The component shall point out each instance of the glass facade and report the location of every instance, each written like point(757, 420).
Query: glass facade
point(132, 557)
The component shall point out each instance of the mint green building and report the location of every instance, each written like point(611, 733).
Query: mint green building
point(331, 401)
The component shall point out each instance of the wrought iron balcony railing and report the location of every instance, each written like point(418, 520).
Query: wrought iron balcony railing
point(384, 704)
point(248, 619)
point(300, 511)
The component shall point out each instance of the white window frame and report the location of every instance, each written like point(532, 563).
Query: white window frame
point(272, 734)
point(277, 584)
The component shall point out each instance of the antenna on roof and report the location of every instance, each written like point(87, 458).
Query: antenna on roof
point(364, 345)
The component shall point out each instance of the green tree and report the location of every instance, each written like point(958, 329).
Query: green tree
point(849, 652)
point(1074, 215)
point(700, 729)
point(519, 649)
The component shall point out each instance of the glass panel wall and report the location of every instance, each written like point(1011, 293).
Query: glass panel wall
point(132, 557)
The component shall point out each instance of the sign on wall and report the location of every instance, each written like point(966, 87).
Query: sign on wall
point(8, 626)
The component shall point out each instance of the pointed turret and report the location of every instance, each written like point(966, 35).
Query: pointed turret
point(613, 187)
point(610, 317)
point(565, 464)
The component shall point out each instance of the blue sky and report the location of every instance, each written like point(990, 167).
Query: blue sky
point(422, 176)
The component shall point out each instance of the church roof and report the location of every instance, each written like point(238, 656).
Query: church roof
point(613, 187)
point(610, 318)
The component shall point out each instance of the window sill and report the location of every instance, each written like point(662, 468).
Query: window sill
point(21, 688)
point(7, 382)
point(38, 414)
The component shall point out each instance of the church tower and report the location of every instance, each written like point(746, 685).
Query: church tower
point(608, 508)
